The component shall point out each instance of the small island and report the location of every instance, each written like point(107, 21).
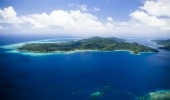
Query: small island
point(94, 43)
point(165, 44)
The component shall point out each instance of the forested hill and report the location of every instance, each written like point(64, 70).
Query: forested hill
point(94, 43)
point(165, 44)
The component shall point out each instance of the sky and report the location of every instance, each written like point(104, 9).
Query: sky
point(86, 17)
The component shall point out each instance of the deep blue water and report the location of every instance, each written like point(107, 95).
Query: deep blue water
point(119, 75)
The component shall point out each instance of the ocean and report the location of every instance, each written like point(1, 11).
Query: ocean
point(97, 75)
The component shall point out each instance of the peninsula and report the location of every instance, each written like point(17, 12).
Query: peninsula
point(165, 44)
point(94, 43)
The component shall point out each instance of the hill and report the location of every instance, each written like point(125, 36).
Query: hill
point(94, 43)
point(165, 44)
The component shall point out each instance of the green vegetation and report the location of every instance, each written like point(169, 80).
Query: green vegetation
point(94, 43)
point(164, 43)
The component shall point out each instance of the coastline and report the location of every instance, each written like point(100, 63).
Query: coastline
point(68, 52)
point(12, 48)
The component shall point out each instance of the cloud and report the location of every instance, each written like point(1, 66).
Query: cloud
point(73, 21)
point(157, 7)
point(2, 28)
point(8, 15)
point(82, 21)
point(82, 7)
point(109, 19)
point(146, 19)
point(154, 13)
point(96, 9)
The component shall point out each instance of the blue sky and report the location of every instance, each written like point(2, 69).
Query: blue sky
point(85, 17)
point(118, 9)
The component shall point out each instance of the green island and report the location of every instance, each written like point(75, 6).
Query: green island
point(164, 43)
point(94, 43)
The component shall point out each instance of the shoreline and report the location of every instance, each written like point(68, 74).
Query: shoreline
point(69, 52)
point(12, 48)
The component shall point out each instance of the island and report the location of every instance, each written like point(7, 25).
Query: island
point(93, 43)
point(165, 44)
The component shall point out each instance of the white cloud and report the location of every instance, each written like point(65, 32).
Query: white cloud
point(147, 19)
point(82, 7)
point(2, 28)
point(81, 21)
point(109, 19)
point(8, 15)
point(154, 13)
point(72, 20)
point(157, 7)
point(96, 9)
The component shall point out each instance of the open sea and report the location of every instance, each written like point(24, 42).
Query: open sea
point(116, 75)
